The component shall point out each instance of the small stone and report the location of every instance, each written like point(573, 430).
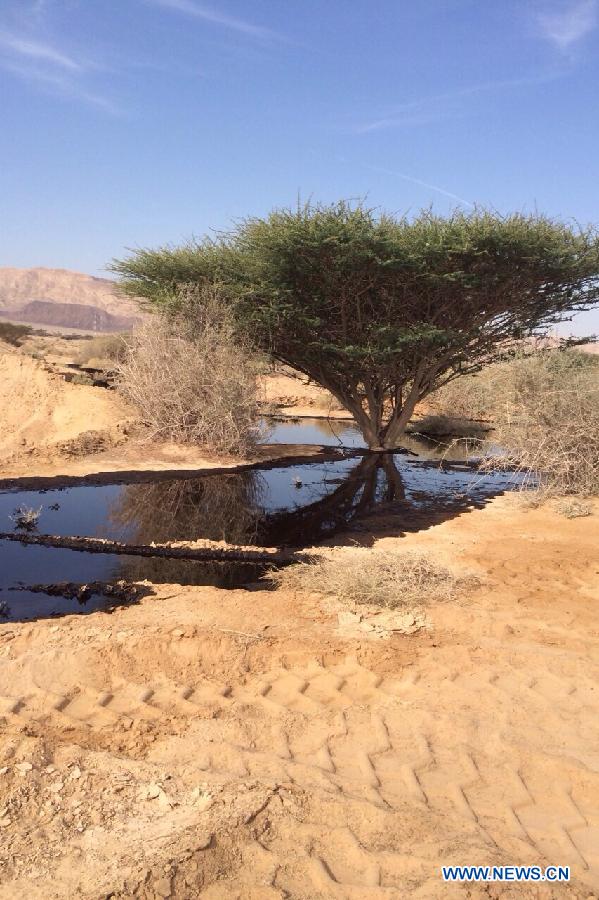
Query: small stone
point(3, 770)
point(76, 772)
point(166, 801)
point(50, 769)
point(23, 768)
point(202, 799)
point(5, 822)
point(153, 791)
point(163, 887)
point(56, 787)
point(178, 633)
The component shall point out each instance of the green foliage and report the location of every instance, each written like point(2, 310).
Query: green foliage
point(379, 310)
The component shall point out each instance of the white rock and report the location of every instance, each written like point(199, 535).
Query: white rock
point(153, 792)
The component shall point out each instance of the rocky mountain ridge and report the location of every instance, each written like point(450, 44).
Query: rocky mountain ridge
point(62, 298)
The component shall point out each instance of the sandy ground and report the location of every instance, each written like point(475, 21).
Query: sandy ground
point(255, 744)
point(242, 744)
point(291, 394)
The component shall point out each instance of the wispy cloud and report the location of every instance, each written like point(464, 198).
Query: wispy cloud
point(569, 23)
point(425, 184)
point(58, 85)
point(51, 69)
point(216, 17)
point(442, 106)
point(40, 52)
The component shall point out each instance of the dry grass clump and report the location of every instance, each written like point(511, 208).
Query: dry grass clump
point(378, 577)
point(192, 379)
point(547, 421)
point(572, 508)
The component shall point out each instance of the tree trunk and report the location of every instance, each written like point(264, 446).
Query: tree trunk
point(379, 436)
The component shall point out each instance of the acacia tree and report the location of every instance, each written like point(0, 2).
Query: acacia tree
point(382, 311)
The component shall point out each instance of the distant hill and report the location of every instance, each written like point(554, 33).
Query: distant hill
point(60, 298)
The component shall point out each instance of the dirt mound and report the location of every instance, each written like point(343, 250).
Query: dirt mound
point(51, 416)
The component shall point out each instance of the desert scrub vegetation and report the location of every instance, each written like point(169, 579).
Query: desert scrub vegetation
point(373, 577)
point(470, 397)
point(382, 310)
point(106, 349)
point(13, 334)
point(193, 379)
point(573, 508)
point(546, 414)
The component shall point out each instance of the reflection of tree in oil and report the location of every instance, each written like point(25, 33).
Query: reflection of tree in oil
point(215, 507)
point(233, 508)
point(374, 481)
point(372, 492)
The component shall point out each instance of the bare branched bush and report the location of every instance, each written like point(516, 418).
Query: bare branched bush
point(378, 577)
point(546, 412)
point(192, 378)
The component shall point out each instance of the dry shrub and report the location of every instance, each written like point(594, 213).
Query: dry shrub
point(13, 334)
point(378, 577)
point(547, 420)
point(107, 349)
point(467, 397)
point(192, 379)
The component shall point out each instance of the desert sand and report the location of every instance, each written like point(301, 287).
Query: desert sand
point(258, 744)
point(242, 744)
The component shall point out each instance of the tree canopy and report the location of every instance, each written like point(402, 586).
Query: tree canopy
point(383, 310)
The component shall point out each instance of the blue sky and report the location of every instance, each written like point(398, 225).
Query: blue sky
point(140, 122)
